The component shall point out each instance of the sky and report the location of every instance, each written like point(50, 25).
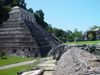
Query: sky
point(68, 14)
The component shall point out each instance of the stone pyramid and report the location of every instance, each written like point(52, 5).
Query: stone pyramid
point(21, 36)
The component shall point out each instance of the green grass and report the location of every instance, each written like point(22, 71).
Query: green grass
point(14, 70)
point(12, 60)
point(86, 42)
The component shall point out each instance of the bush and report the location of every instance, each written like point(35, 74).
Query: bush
point(2, 53)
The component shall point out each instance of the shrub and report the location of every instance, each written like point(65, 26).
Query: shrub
point(2, 54)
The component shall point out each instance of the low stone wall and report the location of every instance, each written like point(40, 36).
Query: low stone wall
point(59, 50)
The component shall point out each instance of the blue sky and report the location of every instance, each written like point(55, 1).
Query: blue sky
point(69, 14)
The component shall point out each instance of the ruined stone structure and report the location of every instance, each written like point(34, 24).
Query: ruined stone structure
point(21, 14)
point(95, 33)
point(21, 36)
point(78, 62)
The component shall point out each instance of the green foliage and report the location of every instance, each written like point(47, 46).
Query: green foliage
point(49, 28)
point(67, 35)
point(71, 38)
point(73, 35)
point(64, 39)
point(77, 33)
point(39, 15)
point(30, 10)
point(8, 2)
point(2, 53)
point(91, 36)
point(58, 32)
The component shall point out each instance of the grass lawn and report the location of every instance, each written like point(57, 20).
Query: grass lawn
point(14, 70)
point(85, 42)
point(12, 60)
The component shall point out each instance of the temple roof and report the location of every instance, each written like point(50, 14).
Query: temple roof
point(18, 9)
point(97, 29)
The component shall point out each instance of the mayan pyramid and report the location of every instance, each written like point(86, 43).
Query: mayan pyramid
point(21, 36)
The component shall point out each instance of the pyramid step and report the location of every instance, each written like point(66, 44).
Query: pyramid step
point(19, 47)
point(11, 26)
point(15, 32)
point(14, 25)
point(13, 29)
point(20, 30)
point(17, 44)
point(13, 22)
point(16, 35)
point(16, 39)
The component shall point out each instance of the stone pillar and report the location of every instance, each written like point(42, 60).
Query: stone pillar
point(96, 36)
point(29, 18)
point(32, 19)
point(85, 35)
point(23, 16)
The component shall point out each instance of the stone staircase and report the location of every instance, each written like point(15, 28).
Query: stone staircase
point(22, 38)
point(43, 37)
point(16, 40)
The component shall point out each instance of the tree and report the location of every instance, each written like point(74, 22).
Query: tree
point(77, 33)
point(39, 15)
point(70, 38)
point(30, 10)
point(1, 12)
point(49, 28)
point(2, 54)
point(69, 32)
point(6, 5)
point(7, 2)
point(93, 27)
point(21, 3)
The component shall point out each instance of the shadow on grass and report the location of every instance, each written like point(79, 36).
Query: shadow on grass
point(3, 58)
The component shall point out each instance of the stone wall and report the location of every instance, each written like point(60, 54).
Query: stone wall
point(59, 50)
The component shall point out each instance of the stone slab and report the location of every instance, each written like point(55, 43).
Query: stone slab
point(49, 68)
point(34, 72)
point(48, 73)
point(46, 65)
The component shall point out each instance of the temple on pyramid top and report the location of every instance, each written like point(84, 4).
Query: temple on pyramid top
point(20, 13)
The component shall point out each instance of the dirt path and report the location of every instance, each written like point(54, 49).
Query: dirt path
point(46, 68)
point(21, 63)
